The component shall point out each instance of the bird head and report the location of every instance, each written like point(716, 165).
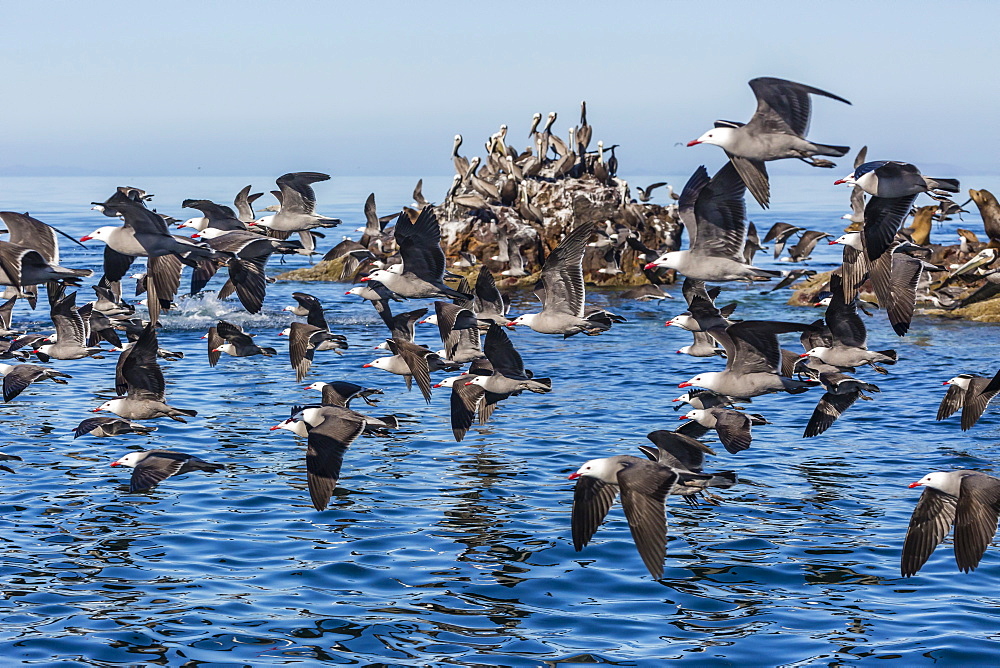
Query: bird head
point(130, 460)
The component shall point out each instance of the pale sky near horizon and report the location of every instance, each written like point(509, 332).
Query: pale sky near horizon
point(380, 88)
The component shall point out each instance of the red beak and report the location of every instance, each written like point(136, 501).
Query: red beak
point(947, 382)
point(365, 366)
point(95, 410)
point(277, 426)
point(348, 292)
point(839, 181)
point(573, 476)
point(675, 400)
point(693, 142)
point(365, 279)
point(195, 236)
point(86, 238)
point(684, 385)
point(469, 383)
point(651, 265)
point(804, 355)
point(115, 464)
point(831, 243)
point(913, 484)
point(683, 417)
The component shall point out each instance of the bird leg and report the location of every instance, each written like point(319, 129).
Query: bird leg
point(818, 162)
point(878, 369)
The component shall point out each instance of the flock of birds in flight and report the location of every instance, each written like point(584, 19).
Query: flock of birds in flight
point(407, 262)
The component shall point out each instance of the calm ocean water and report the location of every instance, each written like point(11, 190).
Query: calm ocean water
point(439, 552)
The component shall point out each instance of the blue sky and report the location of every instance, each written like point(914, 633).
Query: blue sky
point(259, 88)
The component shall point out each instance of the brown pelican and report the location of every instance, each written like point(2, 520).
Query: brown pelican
point(461, 162)
point(601, 171)
point(584, 132)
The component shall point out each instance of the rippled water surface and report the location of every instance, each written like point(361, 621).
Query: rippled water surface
point(440, 552)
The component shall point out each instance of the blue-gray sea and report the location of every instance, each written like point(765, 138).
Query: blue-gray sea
point(435, 552)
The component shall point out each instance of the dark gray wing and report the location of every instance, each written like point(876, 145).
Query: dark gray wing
point(733, 428)
point(144, 222)
point(420, 245)
point(721, 216)
point(234, 334)
point(784, 106)
point(68, 321)
point(686, 203)
point(842, 319)
point(137, 372)
point(975, 518)
point(788, 361)
point(807, 242)
point(163, 274)
point(830, 407)
point(562, 273)
point(19, 378)
point(220, 217)
point(465, 401)
point(816, 335)
point(592, 498)
point(977, 397)
point(780, 231)
point(297, 195)
point(32, 233)
point(6, 310)
point(372, 227)
point(314, 307)
point(418, 194)
point(687, 452)
point(244, 204)
point(693, 288)
point(883, 216)
point(214, 341)
point(327, 443)
point(90, 424)
point(691, 429)
point(300, 351)
point(929, 524)
point(644, 488)
point(754, 345)
point(487, 295)
point(402, 325)
point(250, 281)
point(416, 359)
point(855, 270)
point(903, 278)
point(753, 173)
point(116, 264)
point(952, 401)
point(499, 350)
point(154, 469)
